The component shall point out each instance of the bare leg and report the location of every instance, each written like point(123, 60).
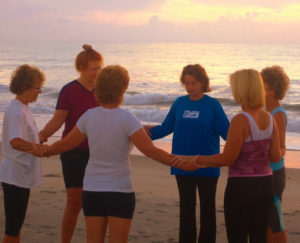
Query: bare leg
point(11, 239)
point(269, 236)
point(119, 229)
point(279, 237)
point(72, 209)
point(95, 229)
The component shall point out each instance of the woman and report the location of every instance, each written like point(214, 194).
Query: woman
point(197, 121)
point(276, 84)
point(108, 195)
point(19, 171)
point(74, 99)
point(252, 142)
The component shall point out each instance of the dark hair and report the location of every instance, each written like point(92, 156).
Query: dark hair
point(199, 73)
point(88, 54)
point(277, 80)
point(24, 77)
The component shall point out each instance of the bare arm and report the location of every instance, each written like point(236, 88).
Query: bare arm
point(238, 131)
point(53, 125)
point(148, 128)
point(275, 153)
point(280, 120)
point(142, 141)
point(71, 141)
point(28, 147)
point(22, 145)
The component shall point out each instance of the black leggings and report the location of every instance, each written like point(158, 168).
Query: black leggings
point(247, 206)
point(276, 219)
point(15, 205)
point(187, 186)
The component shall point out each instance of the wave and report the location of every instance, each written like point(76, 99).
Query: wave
point(292, 107)
point(136, 98)
point(227, 102)
point(157, 115)
point(4, 88)
point(148, 99)
point(50, 94)
point(132, 92)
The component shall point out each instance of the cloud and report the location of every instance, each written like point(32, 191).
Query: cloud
point(272, 4)
point(81, 6)
point(149, 21)
point(117, 5)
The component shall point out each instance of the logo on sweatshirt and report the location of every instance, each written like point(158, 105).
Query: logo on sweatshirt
point(191, 114)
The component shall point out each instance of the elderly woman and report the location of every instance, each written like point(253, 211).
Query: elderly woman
point(75, 98)
point(108, 195)
point(252, 142)
point(276, 83)
point(19, 171)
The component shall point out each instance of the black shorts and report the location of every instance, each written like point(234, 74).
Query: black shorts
point(103, 204)
point(15, 206)
point(73, 166)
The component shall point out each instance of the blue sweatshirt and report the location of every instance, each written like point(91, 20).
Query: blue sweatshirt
point(196, 127)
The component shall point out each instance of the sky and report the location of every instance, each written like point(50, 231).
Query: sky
point(212, 21)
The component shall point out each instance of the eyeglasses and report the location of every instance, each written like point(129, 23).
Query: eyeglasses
point(39, 89)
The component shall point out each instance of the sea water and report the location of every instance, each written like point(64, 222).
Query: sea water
point(155, 70)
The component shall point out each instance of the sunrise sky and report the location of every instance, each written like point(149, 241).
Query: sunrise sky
point(236, 21)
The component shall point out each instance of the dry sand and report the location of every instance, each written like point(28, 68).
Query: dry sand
point(156, 214)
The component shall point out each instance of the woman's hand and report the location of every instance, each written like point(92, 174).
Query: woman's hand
point(39, 150)
point(188, 163)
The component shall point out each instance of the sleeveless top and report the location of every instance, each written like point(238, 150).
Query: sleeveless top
point(278, 165)
point(253, 160)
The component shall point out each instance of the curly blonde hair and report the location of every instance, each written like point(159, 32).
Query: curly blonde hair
point(111, 84)
point(24, 77)
point(277, 80)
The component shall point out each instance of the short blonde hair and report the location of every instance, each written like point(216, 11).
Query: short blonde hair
point(111, 84)
point(277, 80)
point(247, 88)
point(24, 77)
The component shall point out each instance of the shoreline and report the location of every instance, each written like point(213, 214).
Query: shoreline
point(157, 205)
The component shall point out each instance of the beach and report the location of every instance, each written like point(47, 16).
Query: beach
point(157, 206)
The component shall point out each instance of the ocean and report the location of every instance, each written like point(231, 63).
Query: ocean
point(154, 69)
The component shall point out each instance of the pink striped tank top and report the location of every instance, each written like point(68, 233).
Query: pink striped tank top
point(253, 160)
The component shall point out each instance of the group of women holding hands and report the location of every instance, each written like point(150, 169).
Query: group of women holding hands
point(98, 136)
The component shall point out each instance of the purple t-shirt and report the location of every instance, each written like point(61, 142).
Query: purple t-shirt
point(76, 99)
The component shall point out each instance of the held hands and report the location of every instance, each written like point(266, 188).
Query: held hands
point(39, 150)
point(188, 163)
